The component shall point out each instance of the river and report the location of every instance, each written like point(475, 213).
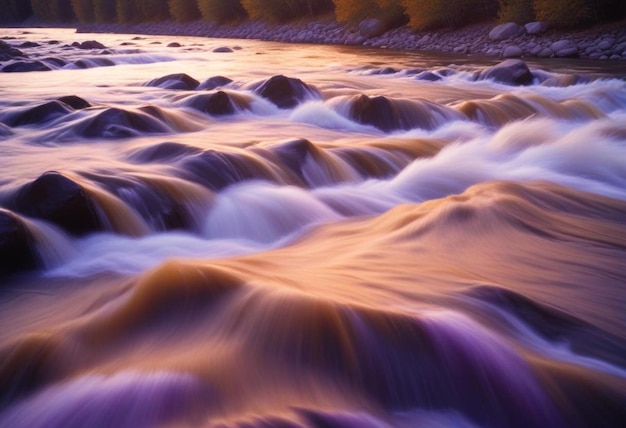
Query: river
point(278, 235)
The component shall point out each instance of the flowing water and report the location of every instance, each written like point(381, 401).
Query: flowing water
point(394, 240)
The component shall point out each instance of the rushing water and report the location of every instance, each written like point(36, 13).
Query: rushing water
point(416, 247)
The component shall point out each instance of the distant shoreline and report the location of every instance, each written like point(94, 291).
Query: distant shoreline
point(602, 42)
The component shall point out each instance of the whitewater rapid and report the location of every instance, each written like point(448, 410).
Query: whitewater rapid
point(303, 236)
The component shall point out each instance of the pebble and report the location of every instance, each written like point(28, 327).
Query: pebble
point(608, 42)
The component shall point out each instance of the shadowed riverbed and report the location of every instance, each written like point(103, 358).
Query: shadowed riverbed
point(275, 235)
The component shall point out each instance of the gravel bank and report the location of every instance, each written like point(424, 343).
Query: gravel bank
point(606, 42)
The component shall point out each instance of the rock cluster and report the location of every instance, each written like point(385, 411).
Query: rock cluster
point(607, 42)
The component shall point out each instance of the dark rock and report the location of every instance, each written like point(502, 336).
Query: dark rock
point(428, 76)
point(90, 44)
point(76, 102)
point(223, 49)
point(538, 27)
point(57, 62)
point(179, 81)
point(218, 104)
point(506, 31)
point(377, 111)
point(372, 28)
point(17, 245)
point(37, 115)
point(383, 71)
point(8, 52)
point(164, 152)
point(60, 200)
point(510, 72)
point(25, 67)
point(564, 49)
point(29, 45)
point(285, 92)
point(94, 62)
point(217, 170)
point(214, 82)
point(118, 123)
point(53, 42)
point(174, 45)
point(512, 52)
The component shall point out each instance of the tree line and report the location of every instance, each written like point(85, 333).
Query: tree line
point(418, 14)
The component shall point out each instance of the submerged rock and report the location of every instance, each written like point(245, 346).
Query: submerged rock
point(285, 92)
point(214, 82)
point(89, 44)
point(510, 72)
point(219, 103)
point(74, 101)
point(223, 49)
point(60, 200)
point(118, 123)
point(25, 67)
point(428, 76)
point(39, 114)
point(178, 81)
point(17, 245)
point(8, 52)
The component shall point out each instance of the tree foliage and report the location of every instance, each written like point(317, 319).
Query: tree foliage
point(15, 10)
point(184, 10)
point(519, 11)
point(153, 10)
point(353, 11)
point(429, 14)
point(563, 13)
point(285, 10)
point(105, 10)
point(574, 13)
point(222, 10)
point(53, 10)
point(84, 11)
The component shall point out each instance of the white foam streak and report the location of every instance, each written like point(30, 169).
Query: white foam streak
point(126, 399)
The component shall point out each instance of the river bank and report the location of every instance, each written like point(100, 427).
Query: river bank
point(603, 42)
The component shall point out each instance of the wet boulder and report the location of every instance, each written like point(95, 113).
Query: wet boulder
point(214, 82)
point(75, 102)
point(60, 200)
point(93, 63)
point(223, 49)
point(179, 81)
point(25, 67)
point(565, 49)
point(379, 112)
point(17, 245)
point(372, 27)
point(218, 104)
point(428, 76)
point(537, 27)
point(164, 152)
point(8, 52)
point(89, 44)
point(57, 62)
point(40, 114)
point(116, 123)
point(174, 45)
point(285, 92)
point(217, 170)
point(27, 45)
point(506, 31)
point(509, 72)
